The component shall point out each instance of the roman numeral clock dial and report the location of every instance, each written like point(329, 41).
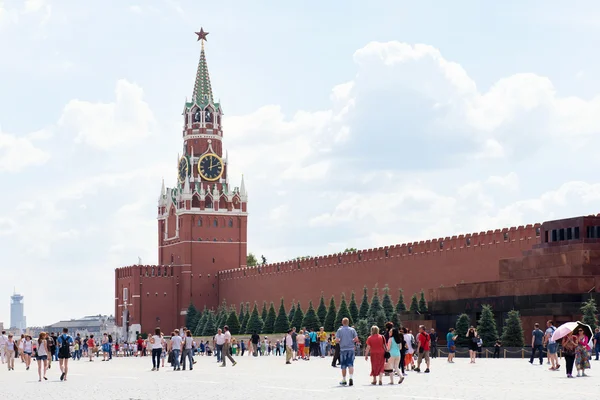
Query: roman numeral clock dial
point(210, 167)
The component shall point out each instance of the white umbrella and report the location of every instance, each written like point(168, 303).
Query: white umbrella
point(564, 330)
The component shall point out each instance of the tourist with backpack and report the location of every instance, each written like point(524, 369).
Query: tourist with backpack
point(64, 352)
point(424, 346)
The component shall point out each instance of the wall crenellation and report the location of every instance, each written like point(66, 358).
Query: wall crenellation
point(490, 239)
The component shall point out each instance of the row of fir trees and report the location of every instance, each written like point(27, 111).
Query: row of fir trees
point(377, 311)
point(512, 332)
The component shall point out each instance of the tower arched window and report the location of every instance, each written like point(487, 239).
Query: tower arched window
point(230, 223)
point(200, 221)
point(215, 223)
point(208, 202)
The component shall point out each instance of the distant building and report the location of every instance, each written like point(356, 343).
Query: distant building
point(17, 317)
point(89, 325)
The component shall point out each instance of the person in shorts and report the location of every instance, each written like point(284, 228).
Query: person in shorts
point(450, 340)
point(64, 342)
point(551, 345)
point(347, 338)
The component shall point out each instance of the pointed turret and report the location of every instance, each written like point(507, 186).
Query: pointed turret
point(243, 193)
point(202, 88)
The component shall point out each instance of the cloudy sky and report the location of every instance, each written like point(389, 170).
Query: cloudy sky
point(354, 124)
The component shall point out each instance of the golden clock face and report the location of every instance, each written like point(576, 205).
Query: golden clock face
point(183, 169)
point(210, 167)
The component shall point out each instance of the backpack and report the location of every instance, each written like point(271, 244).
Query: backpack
point(64, 346)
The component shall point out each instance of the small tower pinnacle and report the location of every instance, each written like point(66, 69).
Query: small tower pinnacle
point(202, 88)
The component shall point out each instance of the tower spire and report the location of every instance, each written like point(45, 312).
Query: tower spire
point(202, 88)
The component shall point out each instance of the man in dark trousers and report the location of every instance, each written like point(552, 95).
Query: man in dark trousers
point(433, 337)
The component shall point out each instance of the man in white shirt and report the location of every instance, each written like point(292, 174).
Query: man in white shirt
point(176, 344)
point(226, 347)
point(289, 353)
point(219, 342)
point(3, 341)
point(187, 350)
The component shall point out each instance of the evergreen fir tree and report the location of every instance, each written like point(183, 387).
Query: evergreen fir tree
point(246, 318)
point(270, 321)
point(322, 310)
point(375, 306)
point(311, 320)
point(330, 324)
point(292, 312)
point(210, 327)
point(241, 314)
point(486, 326)
point(233, 322)
point(512, 334)
point(199, 330)
point(363, 311)
point(282, 323)
point(191, 317)
point(353, 307)
point(363, 330)
point(343, 312)
point(422, 303)
point(255, 323)
point(589, 311)
point(396, 319)
point(388, 306)
point(462, 326)
point(414, 304)
point(400, 305)
point(380, 320)
point(298, 318)
point(264, 312)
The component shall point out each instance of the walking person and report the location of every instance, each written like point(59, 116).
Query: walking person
point(597, 343)
point(188, 343)
point(51, 349)
point(376, 348)
point(451, 342)
point(551, 346)
point(64, 353)
point(91, 344)
point(156, 342)
point(569, 345)
point(3, 340)
point(424, 346)
point(347, 338)
point(473, 340)
point(434, 337)
point(42, 356)
point(105, 347)
point(175, 346)
point(219, 342)
point(289, 353)
point(226, 347)
point(582, 352)
point(11, 351)
point(27, 351)
point(537, 337)
point(395, 343)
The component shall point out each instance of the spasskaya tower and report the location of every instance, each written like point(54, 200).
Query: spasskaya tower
point(202, 220)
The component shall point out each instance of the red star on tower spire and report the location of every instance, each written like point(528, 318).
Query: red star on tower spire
point(202, 35)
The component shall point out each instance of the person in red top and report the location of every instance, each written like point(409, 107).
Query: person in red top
point(91, 344)
point(140, 346)
point(424, 344)
point(376, 348)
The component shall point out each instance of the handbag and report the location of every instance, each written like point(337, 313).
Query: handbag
point(386, 353)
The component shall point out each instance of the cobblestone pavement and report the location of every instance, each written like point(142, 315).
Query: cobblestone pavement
point(270, 378)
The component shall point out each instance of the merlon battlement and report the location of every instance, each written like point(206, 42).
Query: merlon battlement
point(463, 242)
point(145, 270)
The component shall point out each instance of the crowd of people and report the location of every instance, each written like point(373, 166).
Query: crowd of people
point(392, 353)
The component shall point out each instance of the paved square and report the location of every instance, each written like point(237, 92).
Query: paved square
point(269, 378)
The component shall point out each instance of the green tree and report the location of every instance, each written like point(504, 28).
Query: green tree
point(246, 318)
point(363, 330)
point(396, 319)
point(222, 315)
point(414, 304)
point(343, 312)
point(400, 305)
point(200, 325)
point(255, 324)
point(380, 320)
point(251, 260)
point(191, 317)
point(322, 310)
point(363, 311)
point(375, 307)
point(270, 320)
point(282, 323)
point(590, 311)
point(264, 312)
point(311, 320)
point(330, 324)
point(292, 312)
point(512, 333)
point(233, 322)
point(422, 303)
point(388, 306)
point(486, 326)
point(350, 250)
point(462, 326)
point(353, 307)
point(210, 328)
point(298, 317)
point(241, 314)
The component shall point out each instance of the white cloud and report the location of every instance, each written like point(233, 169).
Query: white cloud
point(32, 6)
point(135, 9)
point(17, 153)
point(106, 125)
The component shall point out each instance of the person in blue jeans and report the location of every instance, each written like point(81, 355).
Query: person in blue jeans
point(597, 342)
point(537, 339)
point(175, 347)
point(346, 337)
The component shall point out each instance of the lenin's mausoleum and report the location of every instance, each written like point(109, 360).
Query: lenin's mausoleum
point(543, 270)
